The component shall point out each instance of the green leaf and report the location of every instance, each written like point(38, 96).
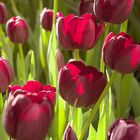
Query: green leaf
point(92, 133)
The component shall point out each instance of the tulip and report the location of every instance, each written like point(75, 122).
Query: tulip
point(6, 74)
point(124, 130)
point(3, 13)
point(86, 6)
point(113, 11)
point(17, 29)
point(80, 85)
point(70, 134)
point(76, 32)
point(120, 53)
point(29, 111)
point(46, 18)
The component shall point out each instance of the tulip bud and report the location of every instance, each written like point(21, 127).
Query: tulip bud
point(124, 130)
point(120, 53)
point(86, 6)
point(17, 29)
point(113, 11)
point(6, 74)
point(70, 134)
point(76, 32)
point(29, 111)
point(80, 85)
point(46, 18)
point(3, 13)
point(60, 59)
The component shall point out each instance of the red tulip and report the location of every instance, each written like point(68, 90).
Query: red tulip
point(86, 6)
point(29, 111)
point(17, 29)
point(78, 32)
point(113, 11)
point(6, 74)
point(70, 134)
point(124, 130)
point(3, 13)
point(80, 85)
point(120, 53)
point(46, 18)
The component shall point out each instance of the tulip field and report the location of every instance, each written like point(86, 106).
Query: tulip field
point(70, 70)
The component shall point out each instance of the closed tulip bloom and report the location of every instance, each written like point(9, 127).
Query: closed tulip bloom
point(70, 134)
point(6, 74)
point(113, 11)
point(3, 13)
point(29, 111)
point(86, 6)
point(76, 32)
point(17, 29)
point(80, 85)
point(120, 53)
point(124, 130)
point(46, 18)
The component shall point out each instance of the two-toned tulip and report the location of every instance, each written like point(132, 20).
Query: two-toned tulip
point(6, 74)
point(113, 11)
point(124, 129)
point(29, 111)
point(17, 29)
point(76, 32)
point(80, 85)
point(120, 53)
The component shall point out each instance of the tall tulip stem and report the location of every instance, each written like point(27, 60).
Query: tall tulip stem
point(21, 55)
point(76, 54)
point(96, 107)
point(1, 104)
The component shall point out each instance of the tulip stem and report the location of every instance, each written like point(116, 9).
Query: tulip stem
point(1, 103)
point(96, 107)
point(76, 54)
point(21, 55)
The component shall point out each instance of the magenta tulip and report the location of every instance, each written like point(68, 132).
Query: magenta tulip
point(86, 6)
point(17, 29)
point(113, 11)
point(76, 32)
point(6, 74)
point(80, 85)
point(120, 53)
point(124, 130)
point(29, 111)
point(46, 18)
point(3, 13)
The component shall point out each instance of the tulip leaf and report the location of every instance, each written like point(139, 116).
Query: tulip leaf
point(135, 97)
point(123, 98)
point(92, 133)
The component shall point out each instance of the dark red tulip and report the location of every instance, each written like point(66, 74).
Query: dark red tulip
point(120, 53)
point(86, 6)
point(80, 85)
point(29, 111)
point(17, 29)
point(113, 11)
point(70, 134)
point(78, 32)
point(46, 18)
point(124, 130)
point(6, 74)
point(3, 13)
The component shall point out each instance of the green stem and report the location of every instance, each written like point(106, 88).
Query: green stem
point(76, 54)
point(124, 26)
point(96, 107)
point(1, 103)
point(22, 61)
point(102, 64)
